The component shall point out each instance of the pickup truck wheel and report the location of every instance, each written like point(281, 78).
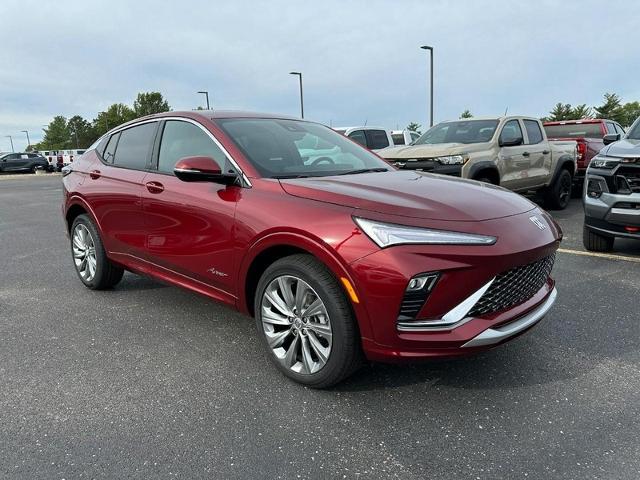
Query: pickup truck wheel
point(485, 180)
point(558, 195)
point(306, 323)
point(595, 242)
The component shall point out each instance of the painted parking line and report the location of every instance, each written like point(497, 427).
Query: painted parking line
point(609, 256)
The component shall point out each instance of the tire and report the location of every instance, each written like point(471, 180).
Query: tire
point(485, 180)
point(558, 195)
point(338, 339)
point(87, 249)
point(595, 242)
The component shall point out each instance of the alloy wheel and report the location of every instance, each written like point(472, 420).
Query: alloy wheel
point(84, 252)
point(296, 325)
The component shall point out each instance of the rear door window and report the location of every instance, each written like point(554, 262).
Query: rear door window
point(533, 131)
point(377, 139)
point(134, 146)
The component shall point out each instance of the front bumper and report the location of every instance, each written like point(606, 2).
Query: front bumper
point(612, 210)
point(449, 322)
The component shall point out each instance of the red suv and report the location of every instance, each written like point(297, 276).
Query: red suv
point(335, 253)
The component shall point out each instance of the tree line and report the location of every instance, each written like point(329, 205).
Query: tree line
point(78, 132)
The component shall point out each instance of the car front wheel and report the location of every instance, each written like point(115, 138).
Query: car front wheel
point(93, 267)
point(306, 323)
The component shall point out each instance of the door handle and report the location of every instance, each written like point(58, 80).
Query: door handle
point(155, 187)
point(94, 174)
point(545, 152)
point(525, 154)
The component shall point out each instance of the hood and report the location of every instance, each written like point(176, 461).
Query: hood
point(623, 148)
point(427, 150)
point(412, 194)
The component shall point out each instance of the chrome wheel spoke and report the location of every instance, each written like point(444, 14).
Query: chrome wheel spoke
point(296, 325)
point(84, 252)
point(321, 352)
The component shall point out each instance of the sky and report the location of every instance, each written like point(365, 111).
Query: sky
point(360, 60)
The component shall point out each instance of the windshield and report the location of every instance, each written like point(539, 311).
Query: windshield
point(574, 130)
point(634, 134)
point(465, 131)
point(291, 148)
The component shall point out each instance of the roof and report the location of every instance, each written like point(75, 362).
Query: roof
point(573, 122)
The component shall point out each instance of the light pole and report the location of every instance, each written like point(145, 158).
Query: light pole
point(206, 94)
point(28, 141)
point(299, 74)
point(11, 139)
point(426, 47)
point(106, 122)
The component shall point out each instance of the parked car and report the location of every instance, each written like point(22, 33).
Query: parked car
point(373, 138)
point(587, 134)
point(612, 191)
point(404, 137)
point(334, 260)
point(22, 162)
point(512, 152)
point(55, 159)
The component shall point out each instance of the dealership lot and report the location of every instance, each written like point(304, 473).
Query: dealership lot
point(148, 380)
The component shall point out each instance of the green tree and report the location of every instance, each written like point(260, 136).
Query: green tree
point(148, 103)
point(581, 111)
point(56, 135)
point(415, 127)
point(561, 111)
point(466, 114)
point(630, 111)
point(81, 132)
point(115, 115)
point(611, 108)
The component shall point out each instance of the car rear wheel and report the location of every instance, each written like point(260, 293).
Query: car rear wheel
point(93, 267)
point(595, 242)
point(306, 323)
point(558, 195)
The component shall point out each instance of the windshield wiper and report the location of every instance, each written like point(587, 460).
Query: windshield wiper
point(364, 170)
point(284, 177)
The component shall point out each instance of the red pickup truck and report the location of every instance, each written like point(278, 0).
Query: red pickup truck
point(588, 135)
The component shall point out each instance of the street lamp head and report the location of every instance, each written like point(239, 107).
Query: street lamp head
point(295, 73)
point(426, 47)
point(202, 92)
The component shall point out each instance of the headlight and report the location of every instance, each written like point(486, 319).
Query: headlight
point(452, 159)
point(387, 234)
point(602, 161)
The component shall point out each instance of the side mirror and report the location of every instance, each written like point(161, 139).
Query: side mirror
point(511, 141)
point(202, 169)
point(610, 138)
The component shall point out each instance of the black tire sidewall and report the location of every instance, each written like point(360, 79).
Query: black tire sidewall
point(339, 315)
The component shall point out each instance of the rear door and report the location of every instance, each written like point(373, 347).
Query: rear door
point(114, 188)
point(539, 154)
point(190, 224)
point(512, 161)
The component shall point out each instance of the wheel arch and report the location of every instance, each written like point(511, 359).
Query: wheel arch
point(485, 168)
point(78, 206)
point(565, 162)
point(279, 245)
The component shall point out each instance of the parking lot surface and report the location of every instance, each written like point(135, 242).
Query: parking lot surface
point(150, 381)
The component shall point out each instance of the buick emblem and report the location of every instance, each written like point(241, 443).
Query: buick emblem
point(536, 221)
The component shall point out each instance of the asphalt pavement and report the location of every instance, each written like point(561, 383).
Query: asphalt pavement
point(151, 381)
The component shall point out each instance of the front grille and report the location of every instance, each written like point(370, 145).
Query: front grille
point(628, 180)
point(514, 286)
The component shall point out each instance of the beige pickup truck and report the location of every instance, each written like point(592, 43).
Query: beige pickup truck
point(512, 152)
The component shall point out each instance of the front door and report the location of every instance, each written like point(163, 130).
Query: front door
point(513, 159)
point(190, 224)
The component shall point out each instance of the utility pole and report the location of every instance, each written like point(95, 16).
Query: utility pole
point(426, 47)
point(299, 74)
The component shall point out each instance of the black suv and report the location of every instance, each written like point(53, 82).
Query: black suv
point(612, 191)
point(23, 162)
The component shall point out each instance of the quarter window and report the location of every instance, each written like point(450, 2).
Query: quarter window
point(533, 131)
point(134, 146)
point(183, 139)
point(110, 149)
